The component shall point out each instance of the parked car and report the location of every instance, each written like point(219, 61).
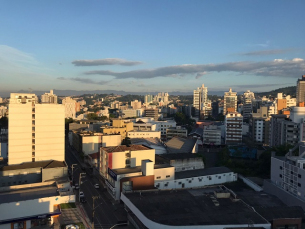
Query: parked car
point(97, 186)
point(81, 194)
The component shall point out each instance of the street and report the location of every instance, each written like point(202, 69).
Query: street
point(107, 213)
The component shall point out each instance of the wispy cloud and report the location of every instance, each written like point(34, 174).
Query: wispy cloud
point(266, 52)
point(83, 80)
point(107, 61)
point(277, 67)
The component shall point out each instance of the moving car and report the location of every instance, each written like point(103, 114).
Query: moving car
point(72, 226)
point(97, 186)
point(76, 186)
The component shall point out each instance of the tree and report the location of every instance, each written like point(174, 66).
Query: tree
point(126, 141)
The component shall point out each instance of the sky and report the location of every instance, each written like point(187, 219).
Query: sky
point(152, 45)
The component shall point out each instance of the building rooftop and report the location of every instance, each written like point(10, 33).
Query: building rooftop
point(201, 172)
point(123, 148)
point(193, 207)
point(38, 164)
point(137, 169)
point(28, 194)
point(177, 156)
point(180, 145)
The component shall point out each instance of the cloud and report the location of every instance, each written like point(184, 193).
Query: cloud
point(278, 67)
point(200, 74)
point(107, 61)
point(259, 85)
point(83, 80)
point(266, 52)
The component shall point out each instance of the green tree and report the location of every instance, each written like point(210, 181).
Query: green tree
point(126, 141)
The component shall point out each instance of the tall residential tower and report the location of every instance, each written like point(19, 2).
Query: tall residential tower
point(200, 98)
point(230, 102)
point(301, 90)
point(36, 131)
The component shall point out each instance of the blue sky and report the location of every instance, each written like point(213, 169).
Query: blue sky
point(140, 46)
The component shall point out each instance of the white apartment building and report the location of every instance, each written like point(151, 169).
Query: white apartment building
point(1, 100)
point(212, 135)
point(124, 157)
point(49, 97)
point(248, 97)
point(143, 134)
point(162, 99)
point(70, 107)
point(288, 174)
point(230, 102)
point(233, 128)
point(130, 113)
point(136, 104)
point(200, 98)
point(291, 102)
point(150, 124)
point(36, 131)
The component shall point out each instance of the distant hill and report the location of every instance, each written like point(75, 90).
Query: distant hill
point(285, 90)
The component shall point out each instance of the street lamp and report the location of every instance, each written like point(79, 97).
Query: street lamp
point(72, 166)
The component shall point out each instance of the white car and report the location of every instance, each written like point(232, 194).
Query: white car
point(97, 186)
point(71, 226)
point(81, 194)
point(76, 186)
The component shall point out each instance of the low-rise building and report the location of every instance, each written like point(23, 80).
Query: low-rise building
point(182, 145)
point(176, 131)
point(143, 134)
point(212, 135)
point(206, 208)
point(124, 157)
point(181, 161)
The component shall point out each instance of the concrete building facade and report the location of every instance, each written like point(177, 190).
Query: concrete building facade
point(233, 128)
point(70, 107)
point(36, 131)
point(230, 102)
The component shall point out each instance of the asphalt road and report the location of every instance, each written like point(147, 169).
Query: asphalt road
point(107, 213)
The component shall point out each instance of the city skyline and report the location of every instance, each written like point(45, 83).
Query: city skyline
point(151, 46)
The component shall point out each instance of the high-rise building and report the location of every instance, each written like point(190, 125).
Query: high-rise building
point(161, 99)
point(233, 128)
point(248, 97)
point(230, 102)
point(200, 98)
point(301, 90)
point(49, 97)
point(70, 107)
point(36, 131)
point(148, 99)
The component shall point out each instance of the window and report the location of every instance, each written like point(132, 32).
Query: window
point(210, 178)
point(158, 177)
point(299, 176)
point(179, 182)
point(166, 184)
point(167, 176)
point(190, 181)
point(299, 184)
point(219, 177)
point(281, 176)
point(281, 167)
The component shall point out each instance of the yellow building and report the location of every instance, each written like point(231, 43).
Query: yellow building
point(119, 126)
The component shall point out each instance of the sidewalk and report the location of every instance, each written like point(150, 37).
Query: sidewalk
point(72, 216)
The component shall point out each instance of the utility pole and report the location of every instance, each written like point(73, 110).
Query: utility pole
point(72, 166)
point(80, 180)
point(93, 209)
